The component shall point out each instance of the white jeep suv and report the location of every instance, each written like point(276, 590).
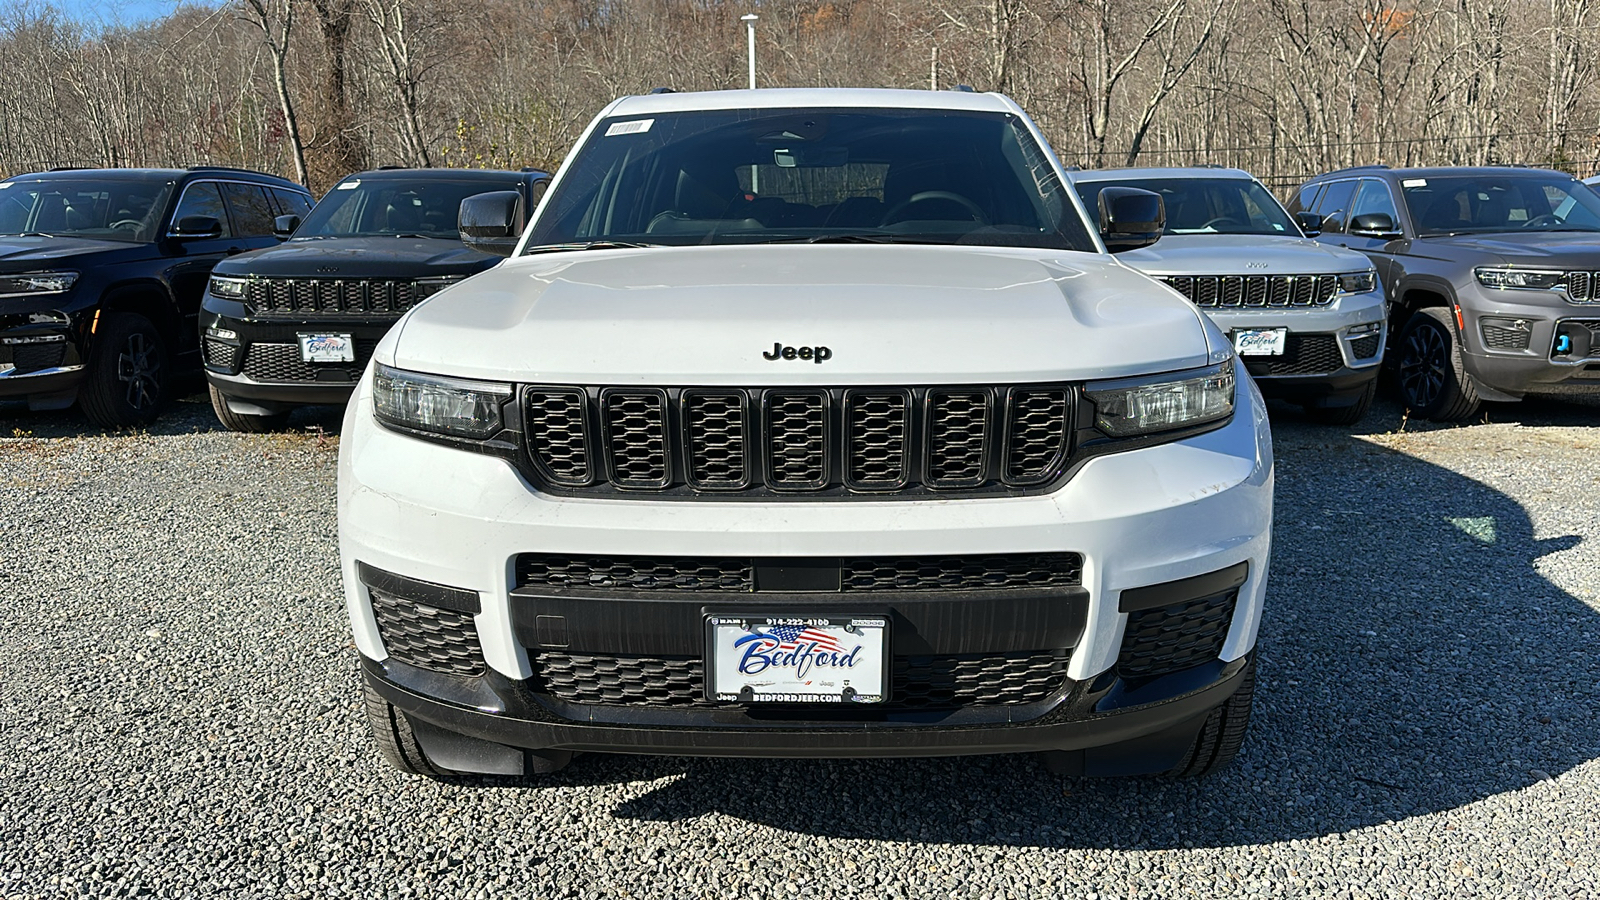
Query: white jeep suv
point(807, 423)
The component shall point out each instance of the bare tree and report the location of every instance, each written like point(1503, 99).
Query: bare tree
point(275, 19)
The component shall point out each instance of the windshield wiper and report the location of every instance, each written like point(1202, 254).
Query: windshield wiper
point(31, 234)
point(588, 245)
point(854, 238)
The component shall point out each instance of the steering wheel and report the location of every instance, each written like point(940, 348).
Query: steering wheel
point(977, 212)
point(1538, 221)
point(135, 224)
point(1222, 220)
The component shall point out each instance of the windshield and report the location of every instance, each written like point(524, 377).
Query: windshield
point(755, 176)
point(1519, 201)
point(417, 206)
point(1206, 205)
point(103, 209)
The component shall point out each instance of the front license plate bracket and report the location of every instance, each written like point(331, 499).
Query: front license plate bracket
point(803, 658)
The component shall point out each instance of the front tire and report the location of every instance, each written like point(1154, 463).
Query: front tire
point(1433, 379)
point(250, 424)
point(127, 377)
point(1223, 733)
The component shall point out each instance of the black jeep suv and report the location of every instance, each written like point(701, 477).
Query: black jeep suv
point(296, 324)
point(101, 273)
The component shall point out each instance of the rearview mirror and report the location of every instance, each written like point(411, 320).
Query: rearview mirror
point(196, 228)
point(283, 226)
point(1130, 218)
point(1374, 225)
point(1310, 223)
point(491, 222)
point(806, 157)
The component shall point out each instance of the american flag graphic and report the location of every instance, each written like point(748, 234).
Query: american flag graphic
point(791, 636)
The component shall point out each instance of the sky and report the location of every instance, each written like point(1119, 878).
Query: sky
point(121, 12)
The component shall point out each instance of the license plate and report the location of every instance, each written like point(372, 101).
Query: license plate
point(327, 348)
point(797, 659)
point(1260, 341)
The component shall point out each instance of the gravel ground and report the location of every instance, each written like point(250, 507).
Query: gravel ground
point(179, 716)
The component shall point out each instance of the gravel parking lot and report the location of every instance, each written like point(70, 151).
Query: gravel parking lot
point(179, 714)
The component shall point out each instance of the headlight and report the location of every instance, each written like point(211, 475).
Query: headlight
point(457, 407)
point(227, 288)
point(1135, 406)
point(35, 283)
point(1358, 282)
point(427, 287)
point(1521, 279)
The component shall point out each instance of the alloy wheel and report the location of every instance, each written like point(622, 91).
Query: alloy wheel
point(137, 367)
point(1423, 366)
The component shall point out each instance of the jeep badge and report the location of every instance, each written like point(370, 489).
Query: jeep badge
point(815, 354)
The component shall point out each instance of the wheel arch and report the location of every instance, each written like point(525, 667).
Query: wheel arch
point(151, 300)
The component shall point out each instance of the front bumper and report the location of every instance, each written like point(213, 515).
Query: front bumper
point(1332, 352)
point(1512, 341)
point(255, 362)
point(1145, 517)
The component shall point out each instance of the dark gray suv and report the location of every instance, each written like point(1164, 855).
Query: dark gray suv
point(1493, 275)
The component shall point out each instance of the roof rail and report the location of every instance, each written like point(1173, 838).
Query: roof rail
point(1372, 167)
point(68, 168)
point(392, 166)
point(1208, 166)
point(663, 90)
point(228, 169)
point(965, 89)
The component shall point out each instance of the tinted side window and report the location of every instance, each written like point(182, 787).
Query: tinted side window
point(252, 213)
point(203, 199)
point(1306, 199)
point(291, 203)
point(1375, 198)
point(1335, 204)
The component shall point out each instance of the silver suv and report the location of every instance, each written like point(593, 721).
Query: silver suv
point(1307, 319)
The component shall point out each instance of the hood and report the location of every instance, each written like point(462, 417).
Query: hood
point(360, 257)
point(1242, 254)
point(886, 314)
point(26, 254)
point(1558, 249)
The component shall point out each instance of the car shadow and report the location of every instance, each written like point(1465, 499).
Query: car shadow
point(189, 412)
point(1413, 661)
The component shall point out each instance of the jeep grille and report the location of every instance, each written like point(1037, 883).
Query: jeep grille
point(1583, 287)
point(329, 296)
point(804, 441)
point(1245, 291)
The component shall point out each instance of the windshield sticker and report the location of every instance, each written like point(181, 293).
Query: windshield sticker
point(1414, 182)
point(349, 185)
point(637, 126)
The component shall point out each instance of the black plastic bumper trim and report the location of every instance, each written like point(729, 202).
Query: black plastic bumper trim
point(1184, 589)
point(426, 592)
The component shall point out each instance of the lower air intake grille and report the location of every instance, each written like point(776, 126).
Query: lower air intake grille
point(1364, 347)
point(439, 640)
point(1173, 638)
point(282, 362)
point(35, 357)
point(917, 682)
point(1000, 571)
point(1303, 354)
point(221, 355)
point(1506, 336)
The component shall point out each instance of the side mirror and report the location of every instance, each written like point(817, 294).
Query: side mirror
point(1310, 223)
point(492, 222)
point(1374, 225)
point(1130, 218)
point(283, 226)
point(196, 228)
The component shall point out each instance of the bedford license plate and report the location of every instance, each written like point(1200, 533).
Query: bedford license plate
point(327, 348)
point(1260, 341)
point(797, 659)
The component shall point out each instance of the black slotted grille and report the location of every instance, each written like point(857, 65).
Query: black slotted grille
point(439, 640)
point(1036, 435)
point(1234, 291)
point(1303, 354)
point(282, 362)
point(221, 354)
point(636, 437)
point(329, 296)
point(1177, 637)
point(558, 435)
point(830, 442)
point(958, 422)
point(797, 440)
point(1583, 287)
point(916, 682)
point(714, 425)
point(862, 574)
point(878, 437)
